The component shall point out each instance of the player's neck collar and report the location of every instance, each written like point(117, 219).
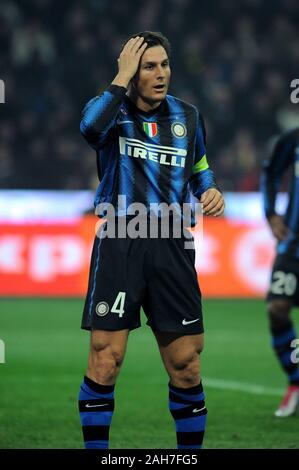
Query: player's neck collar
point(156, 110)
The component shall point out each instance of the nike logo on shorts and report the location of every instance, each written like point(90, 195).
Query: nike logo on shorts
point(185, 322)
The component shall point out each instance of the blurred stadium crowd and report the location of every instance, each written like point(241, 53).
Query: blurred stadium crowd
point(234, 60)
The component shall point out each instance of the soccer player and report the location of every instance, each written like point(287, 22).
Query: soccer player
point(283, 293)
point(151, 149)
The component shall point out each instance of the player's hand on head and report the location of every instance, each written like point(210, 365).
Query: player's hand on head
point(278, 227)
point(212, 202)
point(129, 58)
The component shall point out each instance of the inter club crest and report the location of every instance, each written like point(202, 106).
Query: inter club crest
point(178, 129)
point(150, 128)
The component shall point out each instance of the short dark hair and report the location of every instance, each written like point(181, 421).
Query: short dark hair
point(153, 38)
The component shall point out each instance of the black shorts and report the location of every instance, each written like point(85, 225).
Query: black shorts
point(285, 279)
point(156, 274)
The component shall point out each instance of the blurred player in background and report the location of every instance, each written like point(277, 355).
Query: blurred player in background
point(151, 148)
point(283, 293)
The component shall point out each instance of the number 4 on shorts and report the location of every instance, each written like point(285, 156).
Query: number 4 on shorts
point(118, 306)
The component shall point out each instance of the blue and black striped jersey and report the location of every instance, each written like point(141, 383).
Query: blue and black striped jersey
point(284, 156)
point(149, 157)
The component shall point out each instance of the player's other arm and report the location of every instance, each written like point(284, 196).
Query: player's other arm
point(203, 182)
point(271, 176)
point(100, 113)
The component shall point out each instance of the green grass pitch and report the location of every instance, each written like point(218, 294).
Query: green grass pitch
point(46, 355)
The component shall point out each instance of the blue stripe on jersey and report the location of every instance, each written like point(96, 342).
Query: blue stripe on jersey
point(94, 108)
point(177, 173)
point(200, 139)
point(126, 174)
point(152, 195)
point(207, 181)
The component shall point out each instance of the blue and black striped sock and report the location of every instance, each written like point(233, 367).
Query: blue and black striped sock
point(281, 343)
point(96, 405)
point(187, 407)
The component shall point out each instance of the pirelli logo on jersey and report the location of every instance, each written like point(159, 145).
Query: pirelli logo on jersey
point(161, 154)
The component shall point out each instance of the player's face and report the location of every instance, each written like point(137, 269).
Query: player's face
point(152, 79)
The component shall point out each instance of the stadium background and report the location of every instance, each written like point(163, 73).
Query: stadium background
point(235, 61)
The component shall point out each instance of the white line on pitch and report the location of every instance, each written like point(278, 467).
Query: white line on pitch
point(242, 387)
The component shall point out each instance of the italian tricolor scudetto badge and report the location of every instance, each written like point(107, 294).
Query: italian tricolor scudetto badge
point(150, 128)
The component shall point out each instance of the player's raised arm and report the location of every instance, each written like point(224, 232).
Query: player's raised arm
point(100, 113)
point(128, 61)
point(203, 183)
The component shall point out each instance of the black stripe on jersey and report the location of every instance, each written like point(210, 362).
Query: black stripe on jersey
point(165, 171)
point(191, 123)
point(186, 115)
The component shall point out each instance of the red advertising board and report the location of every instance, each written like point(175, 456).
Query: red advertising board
point(52, 259)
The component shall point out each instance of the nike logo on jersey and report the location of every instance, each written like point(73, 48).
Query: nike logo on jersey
point(185, 322)
point(95, 406)
point(157, 153)
point(196, 410)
